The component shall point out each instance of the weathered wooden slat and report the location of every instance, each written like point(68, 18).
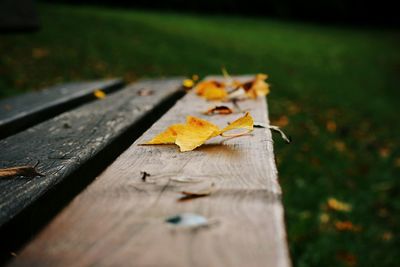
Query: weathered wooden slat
point(20, 112)
point(65, 143)
point(119, 219)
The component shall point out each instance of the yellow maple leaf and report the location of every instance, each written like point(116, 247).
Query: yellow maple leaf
point(212, 90)
point(256, 87)
point(188, 83)
point(99, 94)
point(168, 136)
point(197, 131)
point(246, 122)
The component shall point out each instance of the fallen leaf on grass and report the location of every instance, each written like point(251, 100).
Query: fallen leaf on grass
point(224, 110)
point(337, 205)
point(188, 195)
point(26, 171)
point(99, 94)
point(197, 131)
point(348, 258)
point(346, 226)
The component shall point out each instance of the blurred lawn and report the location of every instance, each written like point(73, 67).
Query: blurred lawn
point(334, 90)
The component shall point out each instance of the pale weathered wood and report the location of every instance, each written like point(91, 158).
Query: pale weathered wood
point(20, 112)
point(65, 143)
point(119, 220)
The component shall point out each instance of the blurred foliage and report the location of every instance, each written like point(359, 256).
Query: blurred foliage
point(328, 11)
point(334, 90)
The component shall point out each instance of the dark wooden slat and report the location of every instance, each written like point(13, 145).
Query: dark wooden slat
point(67, 141)
point(119, 219)
point(20, 112)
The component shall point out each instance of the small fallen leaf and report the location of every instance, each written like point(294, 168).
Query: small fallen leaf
point(38, 53)
point(212, 90)
point(197, 131)
point(188, 195)
point(145, 92)
point(324, 218)
point(346, 226)
point(337, 205)
point(331, 126)
point(256, 87)
point(99, 94)
point(195, 77)
point(26, 171)
point(218, 110)
point(348, 258)
point(188, 83)
point(340, 146)
point(387, 236)
point(282, 121)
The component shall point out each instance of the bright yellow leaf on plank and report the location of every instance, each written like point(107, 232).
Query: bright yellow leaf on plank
point(99, 94)
point(215, 94)
point(246, 122)
point(188, 83)
point(212, 90)
point(168, 136)
point(197, 131)
point(256, 87)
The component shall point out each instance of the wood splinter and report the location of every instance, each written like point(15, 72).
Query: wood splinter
point(25, 171)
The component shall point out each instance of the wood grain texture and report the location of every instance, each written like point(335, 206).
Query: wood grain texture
point(119, 220)
point(20, 112)
point(63, 144)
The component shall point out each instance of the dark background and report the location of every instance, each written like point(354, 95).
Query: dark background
point(356, 12)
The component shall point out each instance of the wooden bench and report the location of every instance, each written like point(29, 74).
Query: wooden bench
point(92, 210)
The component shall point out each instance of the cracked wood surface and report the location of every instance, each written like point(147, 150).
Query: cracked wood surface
point(22, 111)
point(119, 219)
point(63, 144)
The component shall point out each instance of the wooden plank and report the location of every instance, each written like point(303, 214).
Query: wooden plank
point(20, 112)
point(120, 219)
point(65, 143)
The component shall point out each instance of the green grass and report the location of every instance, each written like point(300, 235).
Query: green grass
point(319, 75)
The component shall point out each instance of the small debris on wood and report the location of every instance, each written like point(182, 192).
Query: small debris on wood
point(236, 105)
point(186, 180)
point(144, 175)
point(189, 195)
point(145, 92)
point(276, 129)
point(224, 110)
point(66, 125)
point(25, 171)
point(189, 220)
point(7, 107)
